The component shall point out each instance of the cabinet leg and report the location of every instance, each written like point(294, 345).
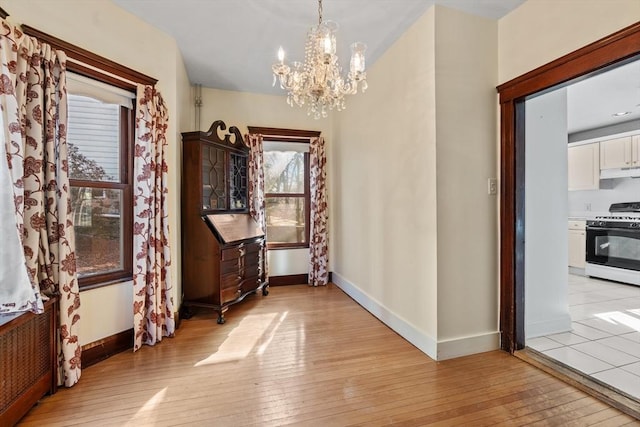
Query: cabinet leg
point(220, 319)
point(265, 290)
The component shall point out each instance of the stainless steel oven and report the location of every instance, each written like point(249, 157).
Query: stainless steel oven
point(613, 244)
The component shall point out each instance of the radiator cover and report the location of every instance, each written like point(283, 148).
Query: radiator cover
point(27, 361)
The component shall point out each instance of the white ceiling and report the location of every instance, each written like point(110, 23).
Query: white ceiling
point(592, 103)
point(231, 44)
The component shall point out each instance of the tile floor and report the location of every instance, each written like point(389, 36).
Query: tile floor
point(605, 340)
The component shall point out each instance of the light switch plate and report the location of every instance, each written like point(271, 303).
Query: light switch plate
point(492, 186)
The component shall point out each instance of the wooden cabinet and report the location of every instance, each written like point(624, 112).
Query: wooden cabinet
point(619, 153)
point(577, 244)
point(584, 167)
point(223, 248)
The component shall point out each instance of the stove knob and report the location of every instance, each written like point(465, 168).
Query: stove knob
point(601, 223)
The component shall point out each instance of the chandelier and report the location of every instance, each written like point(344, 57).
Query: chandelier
point(318, 83)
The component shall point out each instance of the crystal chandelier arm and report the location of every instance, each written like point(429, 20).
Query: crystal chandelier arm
point(318, 83)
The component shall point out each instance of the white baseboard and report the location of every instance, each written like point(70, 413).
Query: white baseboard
point(458, 347)
point(557, 325)
point(406, 330)
point(436, 350)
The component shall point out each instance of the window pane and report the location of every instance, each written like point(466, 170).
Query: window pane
point(94, 139)
point(285, 219)
point(283, 172)
point(98, 227)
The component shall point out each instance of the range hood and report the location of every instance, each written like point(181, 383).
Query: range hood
point(620, 173)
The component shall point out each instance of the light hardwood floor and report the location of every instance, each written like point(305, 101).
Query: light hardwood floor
point(311, 357)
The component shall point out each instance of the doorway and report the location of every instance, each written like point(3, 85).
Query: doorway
point(612, 51)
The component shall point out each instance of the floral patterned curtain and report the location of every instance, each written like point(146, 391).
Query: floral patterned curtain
point(256, 179)
point(256, 184)
point(318, 241)
point(152, 302)
point(34, 113)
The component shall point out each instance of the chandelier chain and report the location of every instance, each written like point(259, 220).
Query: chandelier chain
point(319, 12)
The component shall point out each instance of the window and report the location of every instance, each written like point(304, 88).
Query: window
point(286, 185)
point(286, 182)
point(99, 135)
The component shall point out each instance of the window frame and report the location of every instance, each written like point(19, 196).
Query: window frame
point(299, 136)
point(125, 183)
point(99, 68)
point(306, 196)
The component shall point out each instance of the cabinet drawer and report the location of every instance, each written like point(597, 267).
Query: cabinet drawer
point(239, 251)
point(253, 247)
point(231, 294)
point(577, 225)
point(229, 266)
point(228, 281)
point(250, 284)
point(252, 270)
point(232, 253)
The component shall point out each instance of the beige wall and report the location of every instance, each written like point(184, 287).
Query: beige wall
point(466, 76)
point(540, 31)
point(244, 109)
point(186, 113)
point(414, 226)
point(109, 31)
point(384, 201)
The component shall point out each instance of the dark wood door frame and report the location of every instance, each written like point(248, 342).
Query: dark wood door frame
point(609, 51)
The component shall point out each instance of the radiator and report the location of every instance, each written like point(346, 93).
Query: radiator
point(27, 361)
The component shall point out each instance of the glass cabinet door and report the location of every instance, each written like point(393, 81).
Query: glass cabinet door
point(238, 182)
point(214, 196)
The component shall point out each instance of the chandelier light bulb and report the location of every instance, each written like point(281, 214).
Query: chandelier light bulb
point(357, 57)
point(317, 83)
point(327, 45)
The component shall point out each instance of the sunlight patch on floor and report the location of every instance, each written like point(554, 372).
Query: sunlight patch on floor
point(148, 409)
point(272, 333)
point(243, 338)
point(617, 317)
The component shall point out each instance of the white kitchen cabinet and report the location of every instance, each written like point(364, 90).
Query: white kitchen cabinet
point(635, 150)
point(577, 244)
point(619, 153)
point(584, 167)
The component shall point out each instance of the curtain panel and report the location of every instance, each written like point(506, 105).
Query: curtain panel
point(256, 179)
point(153, 305)
point(256, 185)
point(34, 115)
point(319, 239)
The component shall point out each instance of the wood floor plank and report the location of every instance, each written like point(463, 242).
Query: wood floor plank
point(311, 357)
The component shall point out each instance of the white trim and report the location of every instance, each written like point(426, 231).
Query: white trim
point(613, 273)
point(605, 138)
point(547, 327)
point(81, 85)
point(298, 147)
point(457, 347)
point(406, 330)
point(620, 173)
